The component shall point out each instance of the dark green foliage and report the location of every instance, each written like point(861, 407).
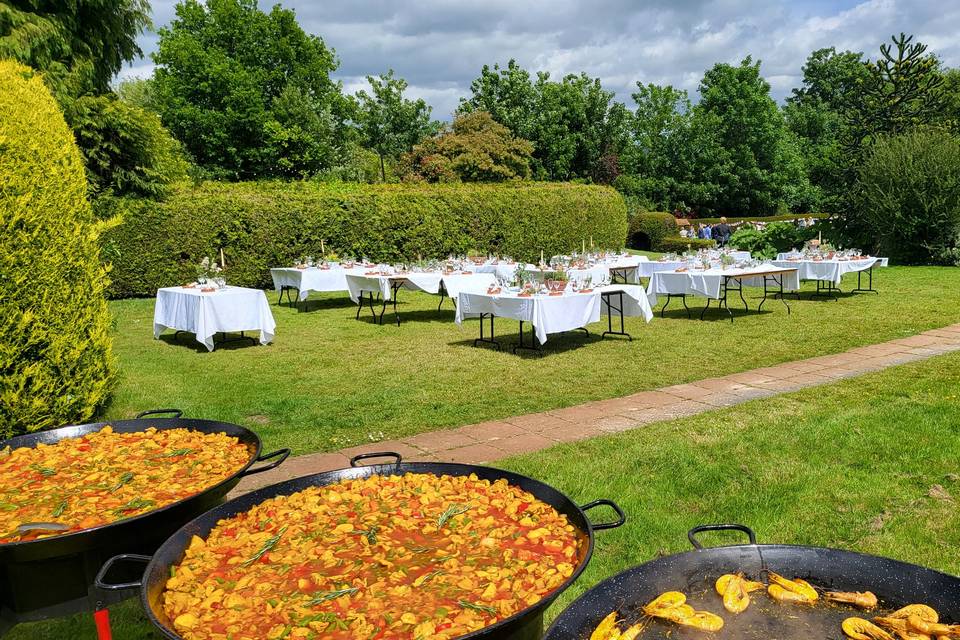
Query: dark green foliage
point(475, 149)
point(788, 217)
point(126, 150)
point(906, 204)
point(263, 225)
point(765, 170)
point(576, 127)
point(248, 93)
point(79, 45)
point(774, 238)
point(55, 358)
point(389, 123)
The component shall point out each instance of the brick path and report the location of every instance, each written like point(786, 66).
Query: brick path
point(489, 441)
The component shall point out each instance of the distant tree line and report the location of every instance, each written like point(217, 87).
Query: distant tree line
point(243, 94)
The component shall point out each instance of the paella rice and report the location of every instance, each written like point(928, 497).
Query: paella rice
point(380, 558)
point(107, 476)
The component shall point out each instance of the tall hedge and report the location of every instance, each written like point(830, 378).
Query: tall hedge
point(266, 224)
point(55, 358)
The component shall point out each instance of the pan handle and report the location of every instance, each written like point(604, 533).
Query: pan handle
point(376, 454)
point(280, 454)
point(177, 413)
point(692, 534)
point(99, 583)
point(621, 516)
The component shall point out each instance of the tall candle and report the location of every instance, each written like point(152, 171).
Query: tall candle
point(223, 263)
point(583, 246)
point(819, 237)
point(541, 256)
point(591, 241)
point(322, 250)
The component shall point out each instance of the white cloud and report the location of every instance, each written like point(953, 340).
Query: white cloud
point(439, 46)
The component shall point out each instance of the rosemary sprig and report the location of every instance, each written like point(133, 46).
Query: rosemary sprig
point(477, 607)
point(60, 509)
point(452, 510)
point(331, 595)
point(134, 505)
point(44, 471)
point(269, 544)
point(124, 479)
point(175, 453)
point(427, 577)
point(370, 534)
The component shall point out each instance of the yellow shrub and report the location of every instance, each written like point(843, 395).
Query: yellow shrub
point(55, 358)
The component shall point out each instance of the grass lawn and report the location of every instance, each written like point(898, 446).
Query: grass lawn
point(848, 465)
point(330, 381)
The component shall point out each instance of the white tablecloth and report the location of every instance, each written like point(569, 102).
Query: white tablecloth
point(428, 282)
point(552, 314)
point(881, 262)
point(707, 283)
point(636, 301)
point(206, 314)
point(827, 270)
point(310, 279)
point(647, 269)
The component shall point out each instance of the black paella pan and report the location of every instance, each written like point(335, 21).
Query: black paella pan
point(895, 583)
point(524, 625)
point(53, 576)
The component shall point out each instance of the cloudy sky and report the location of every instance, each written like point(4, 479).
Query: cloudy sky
point(439, 46)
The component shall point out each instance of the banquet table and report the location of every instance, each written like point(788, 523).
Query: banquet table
point(647, 269)
point(205, 314)
point(549, 314)
point(319, 279)
point(387, 286)
point(717, 283)
point(828, 273)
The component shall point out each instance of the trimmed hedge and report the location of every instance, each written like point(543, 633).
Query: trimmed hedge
point(657, 231)
point(266, 224)
point(55, 358)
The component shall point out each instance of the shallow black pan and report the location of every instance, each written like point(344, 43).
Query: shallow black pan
point(895, 583)
point(524, 625)
point(53, 576)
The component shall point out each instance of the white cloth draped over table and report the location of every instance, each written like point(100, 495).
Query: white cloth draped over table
point(206, 314)
point(551, 314)
point(429, 282)
point(647, 269)
point(707, 283)
point(636, 301)
point(310, 279)
point(827, 270)
point(881, 262)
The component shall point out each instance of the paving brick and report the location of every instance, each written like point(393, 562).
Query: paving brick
point(535, 421)
point(571, 432)
point(522, 443)
point(588, 411)
point(748, 377)
point(486, 431)
point(809, 379)
point(719, 384)
point(687, 391)
point(915, 341)
point(652, 398)
point(471, 454)
point(614, 424)
point(721, 399)
point(435, 441)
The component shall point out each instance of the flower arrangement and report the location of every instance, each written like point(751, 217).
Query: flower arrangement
point(208, 270)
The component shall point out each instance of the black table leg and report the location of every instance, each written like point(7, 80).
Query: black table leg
point(443, 294)
point(869, 288)
point(534, 345)
point(671, 296)
point(704, 310)
point(483, 339)
point(395, 290)
point(606, 297)
point(826, 290)
point(724, 302)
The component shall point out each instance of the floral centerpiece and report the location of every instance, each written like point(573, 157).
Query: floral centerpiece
point(556, 281)
point(209, 272)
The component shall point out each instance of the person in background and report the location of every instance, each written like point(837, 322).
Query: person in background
point(705, 232)
point(722, 232)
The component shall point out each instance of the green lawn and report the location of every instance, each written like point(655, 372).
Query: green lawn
point(330, 381)
point(848, 465)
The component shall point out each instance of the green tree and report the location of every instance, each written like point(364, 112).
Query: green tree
point(904, 89)
point(906, 197)
point(389, 123)
point(577, 129)
point(249, 93)
point(137, 92)
point(507, 94)
point(764, 157)
point(78, 45)
point(475, 148)
point(126, 150)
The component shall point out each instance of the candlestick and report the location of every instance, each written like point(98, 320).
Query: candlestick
point(223, 263)
point(323, 251)
point(583, 246)
point(541, 256)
